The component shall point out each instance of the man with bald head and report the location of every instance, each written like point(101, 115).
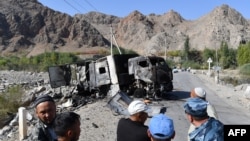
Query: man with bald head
point(199, 92)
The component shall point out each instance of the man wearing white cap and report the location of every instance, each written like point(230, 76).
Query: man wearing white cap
point(133, 128)
point(201, 93)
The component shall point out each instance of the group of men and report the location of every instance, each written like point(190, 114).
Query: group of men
point(160, 128)
point(204, 126)
point(204, 123)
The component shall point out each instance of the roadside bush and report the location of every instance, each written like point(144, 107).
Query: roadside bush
point(230, 80)
point(245, 69)
point(10, 101)
point(171, 63)
point(192, 64)
point(37, 63)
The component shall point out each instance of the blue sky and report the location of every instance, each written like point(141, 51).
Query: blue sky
point(188, 9)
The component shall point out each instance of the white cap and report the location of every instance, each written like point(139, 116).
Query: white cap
point(137, 106)
point(200, 92)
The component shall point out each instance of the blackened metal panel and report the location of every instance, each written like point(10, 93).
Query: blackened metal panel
point(141, 68)
point(59, 76)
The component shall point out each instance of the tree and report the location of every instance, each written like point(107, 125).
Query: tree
point(232, 58)
point(227, 56)
point(208, 53)
point(243, 54)
point(195, 56)
point(186, 49)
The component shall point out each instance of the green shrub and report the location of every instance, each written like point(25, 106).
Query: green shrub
point(37, 63)
point(10, 101)
point(192, 64)
point(245, 69)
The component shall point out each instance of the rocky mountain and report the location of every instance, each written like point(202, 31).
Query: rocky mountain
point(29, 28)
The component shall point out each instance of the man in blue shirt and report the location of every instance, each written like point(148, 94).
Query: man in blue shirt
point(206, 128)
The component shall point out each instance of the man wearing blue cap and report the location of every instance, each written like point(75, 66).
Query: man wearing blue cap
point(201, 93)
point(161, 128)
point(207, 128)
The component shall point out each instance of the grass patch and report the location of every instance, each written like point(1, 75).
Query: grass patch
point(10, 101)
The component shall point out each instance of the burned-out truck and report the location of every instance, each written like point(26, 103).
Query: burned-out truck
point(137, 76)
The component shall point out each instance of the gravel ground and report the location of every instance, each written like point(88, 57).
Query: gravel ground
point(98, 122)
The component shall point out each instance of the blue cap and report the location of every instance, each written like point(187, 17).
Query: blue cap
point(161, 127)
point(196, 107)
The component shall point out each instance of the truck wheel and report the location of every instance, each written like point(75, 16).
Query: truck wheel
point(139, 93)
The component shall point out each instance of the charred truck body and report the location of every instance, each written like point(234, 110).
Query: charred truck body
point(138, 76)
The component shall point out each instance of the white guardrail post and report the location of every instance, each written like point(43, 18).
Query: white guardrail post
point(22, 123)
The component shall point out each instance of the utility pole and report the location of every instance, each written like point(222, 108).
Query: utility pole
point(165, 49)
point(111, 41)
point(217, 66)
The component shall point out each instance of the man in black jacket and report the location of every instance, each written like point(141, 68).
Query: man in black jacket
point(133, 128)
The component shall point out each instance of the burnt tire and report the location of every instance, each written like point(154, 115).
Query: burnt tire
point(139, 93)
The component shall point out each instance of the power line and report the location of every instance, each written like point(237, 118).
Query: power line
point(112, 35)
point(91, 5)
point(72, 6)
point(80, 5)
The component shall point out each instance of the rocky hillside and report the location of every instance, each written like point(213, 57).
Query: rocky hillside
point(29, 28)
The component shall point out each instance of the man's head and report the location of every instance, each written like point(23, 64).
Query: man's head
point(67, 126)
point(138, 111)
point(161, 128)
point(45, 108)
point(198, 92)
point(196, 107)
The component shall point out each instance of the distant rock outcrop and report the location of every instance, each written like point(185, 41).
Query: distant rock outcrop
point(31, 28)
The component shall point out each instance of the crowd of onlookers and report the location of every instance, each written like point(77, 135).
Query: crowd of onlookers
point(65, 126)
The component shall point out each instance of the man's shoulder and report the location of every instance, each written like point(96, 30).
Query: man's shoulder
point(39, 132)
point(211, 111)
point(216, 124)
point(39, 124)
point(123, 119)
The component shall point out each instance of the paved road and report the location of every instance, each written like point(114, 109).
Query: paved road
point(229, 113)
